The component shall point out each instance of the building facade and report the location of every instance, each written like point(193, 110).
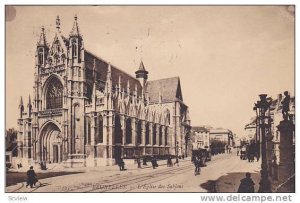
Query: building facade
point(85, 111)
point(250, 130)
point(223, 135)
point(200, 137)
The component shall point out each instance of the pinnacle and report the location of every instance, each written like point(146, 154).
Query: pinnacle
point(42, 41)
point(21, 102)
point(75, 30)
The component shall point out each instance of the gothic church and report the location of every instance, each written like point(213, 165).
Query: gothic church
point(87, 112)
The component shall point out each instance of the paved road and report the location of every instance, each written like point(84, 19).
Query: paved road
point(163, 179)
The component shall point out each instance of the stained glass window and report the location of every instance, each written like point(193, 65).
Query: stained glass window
point(54, 94)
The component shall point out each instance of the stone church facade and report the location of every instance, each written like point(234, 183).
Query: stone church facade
point(86, 112)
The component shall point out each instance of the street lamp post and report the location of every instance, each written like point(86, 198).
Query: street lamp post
point(261, 108)
point(177, 149)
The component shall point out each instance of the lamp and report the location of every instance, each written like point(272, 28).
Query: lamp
point(263, 121)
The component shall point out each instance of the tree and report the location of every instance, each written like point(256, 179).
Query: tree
point(11, 140)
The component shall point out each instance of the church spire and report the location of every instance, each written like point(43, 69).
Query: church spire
point(21, 107)
point(42, 41)
point(75, 30)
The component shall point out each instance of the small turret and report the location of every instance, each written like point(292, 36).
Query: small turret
point(42, 49)
point(141, 74)
point(76, 43)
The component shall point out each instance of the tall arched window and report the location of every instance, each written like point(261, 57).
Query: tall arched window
point(128, 131)
point(88, 130)
point(118, 130)
point(41, 57)
point(160, 135)
point(154, 134)
point(89, 92)
point(74, 48)
point(166, 135)
point(147, 134)
point(100, 130)
point(139, 132)
point(54, 95)
point(168, 119)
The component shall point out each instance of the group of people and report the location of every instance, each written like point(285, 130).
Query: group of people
point(246, 185)
point(248, 152)
point(120, 162)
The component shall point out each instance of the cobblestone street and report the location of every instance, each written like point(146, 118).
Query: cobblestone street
point(222, 174)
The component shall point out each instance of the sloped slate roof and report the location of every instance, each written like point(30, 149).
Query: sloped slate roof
point(101, 70)
point(169, 88)
point(199, 129)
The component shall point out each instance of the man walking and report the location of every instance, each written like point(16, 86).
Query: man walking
point(197, 166)
point(31, 177)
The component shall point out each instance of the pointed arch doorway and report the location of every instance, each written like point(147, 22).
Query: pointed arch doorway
point(51, 143)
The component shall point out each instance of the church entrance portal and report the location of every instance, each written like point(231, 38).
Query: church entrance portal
point(51, 144)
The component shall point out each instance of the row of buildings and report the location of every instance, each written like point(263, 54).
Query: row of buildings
point(203, 136)
point(88, 112)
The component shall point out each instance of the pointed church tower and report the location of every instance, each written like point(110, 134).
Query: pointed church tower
point(42, 50)
point(21, 107)
point(76, 43)
point(141, 74)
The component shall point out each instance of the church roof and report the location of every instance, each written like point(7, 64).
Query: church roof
point(169, 89)
point(101, 70)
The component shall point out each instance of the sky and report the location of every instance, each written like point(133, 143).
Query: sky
point(225, 56)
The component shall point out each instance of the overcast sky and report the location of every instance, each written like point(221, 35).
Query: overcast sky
point(225, 55)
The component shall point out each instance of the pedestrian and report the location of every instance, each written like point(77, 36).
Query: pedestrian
point(183, 157)
point(138, 160)
point(197, 166)
point(121, 164)
point(153, 162)
point(144, 161)
point(31, 177)
point(247, 184)
point(177, 161)
point(237, 151)
point(169, 162)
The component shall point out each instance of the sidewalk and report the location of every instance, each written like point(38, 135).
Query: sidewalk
point(230, 182)
point(105, 171)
